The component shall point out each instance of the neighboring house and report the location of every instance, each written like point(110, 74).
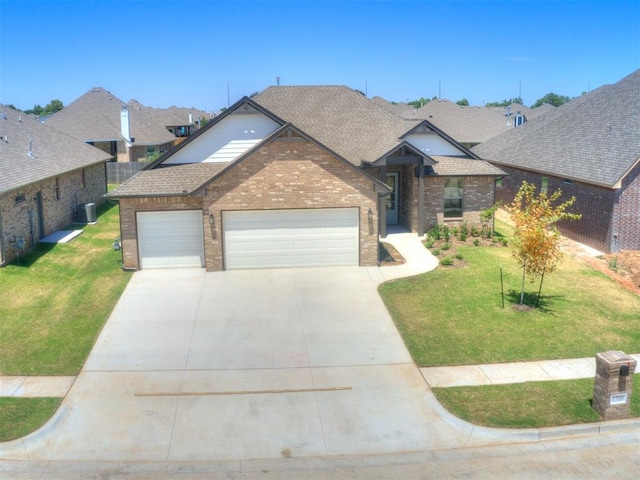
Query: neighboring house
point(468, 125)
point(472, 125)
point(181, 122)
point(44, 176)
point(101, 119)
point(298, 176)
point(590, 149)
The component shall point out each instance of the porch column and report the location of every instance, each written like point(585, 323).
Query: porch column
point(421, 198)
point(382, 205)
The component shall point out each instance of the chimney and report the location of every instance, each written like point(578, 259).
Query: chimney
point(124, 123)
point(190, 118)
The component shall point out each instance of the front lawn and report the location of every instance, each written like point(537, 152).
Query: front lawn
point(528, 405)
point(57, 299)
point(454, 315)
point(55, 302)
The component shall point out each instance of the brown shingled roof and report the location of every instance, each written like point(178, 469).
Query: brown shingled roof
point(181, 179)
point(95, 116)
point(340, 118)
point(52, 152)
point(594, 138)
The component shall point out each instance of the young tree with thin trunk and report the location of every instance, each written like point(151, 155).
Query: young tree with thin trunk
point(536, 240)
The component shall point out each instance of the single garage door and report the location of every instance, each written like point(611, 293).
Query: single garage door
point(170, 239)
point(291, 238)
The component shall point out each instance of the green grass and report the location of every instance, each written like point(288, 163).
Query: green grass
point(62, 296)
point(55, 302)
point(528, 405)
point(454, 316)
point(21, 416)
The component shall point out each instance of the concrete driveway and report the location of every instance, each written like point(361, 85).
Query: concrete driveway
point(244, 364)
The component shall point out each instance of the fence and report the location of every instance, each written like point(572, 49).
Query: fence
point(118, 172)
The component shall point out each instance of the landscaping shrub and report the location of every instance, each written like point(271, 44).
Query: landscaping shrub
point(447, 261)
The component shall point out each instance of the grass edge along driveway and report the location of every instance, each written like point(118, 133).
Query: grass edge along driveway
point(62, 296)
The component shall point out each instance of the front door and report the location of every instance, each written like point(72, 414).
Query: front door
point(392, 199)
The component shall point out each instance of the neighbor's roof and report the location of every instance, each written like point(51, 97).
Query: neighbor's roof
point(169, 180)
point(95, 116)
point(467, 124)
point(170, 117)
point(53, 153)
point(593, 139)
point(344, 120)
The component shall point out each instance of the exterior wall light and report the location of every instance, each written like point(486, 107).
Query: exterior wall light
point(211, 219)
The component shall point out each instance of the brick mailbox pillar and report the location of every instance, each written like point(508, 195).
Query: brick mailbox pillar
point(613, 383)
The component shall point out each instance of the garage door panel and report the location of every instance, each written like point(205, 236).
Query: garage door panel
point(288, 238)
point(170, 239)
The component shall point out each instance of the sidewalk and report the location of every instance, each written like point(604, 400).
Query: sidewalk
point(517, 372)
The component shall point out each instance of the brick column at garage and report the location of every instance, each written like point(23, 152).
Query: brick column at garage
point(613, 384)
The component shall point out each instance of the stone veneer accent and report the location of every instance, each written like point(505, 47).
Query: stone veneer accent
point(609, 385)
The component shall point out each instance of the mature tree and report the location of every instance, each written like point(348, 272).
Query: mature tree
point(536, 239)
point(505, 103)
point(52, 107)
point(552, 99)
point(463, 103)
point(419, 103)
point(36, 110)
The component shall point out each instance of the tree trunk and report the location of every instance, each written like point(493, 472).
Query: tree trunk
point(540, 289)
point(522, 289)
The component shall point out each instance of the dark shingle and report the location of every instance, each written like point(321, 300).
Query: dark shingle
point(53, 153)
point(594, 138)
point(95, 116)
point(181, 179)
point(340, 118)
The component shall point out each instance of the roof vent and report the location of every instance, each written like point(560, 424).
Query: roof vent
point(30, 153)
point(3, 115)
point(4, 138)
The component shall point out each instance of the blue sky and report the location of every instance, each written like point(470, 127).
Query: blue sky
point(203, 54)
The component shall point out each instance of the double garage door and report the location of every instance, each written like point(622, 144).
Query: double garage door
point(252, 239)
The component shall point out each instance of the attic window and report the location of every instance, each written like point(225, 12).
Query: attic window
point(19, 198)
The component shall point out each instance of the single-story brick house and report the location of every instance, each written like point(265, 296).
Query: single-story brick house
point(590, 149)
point(45, 176)
point(298, 176)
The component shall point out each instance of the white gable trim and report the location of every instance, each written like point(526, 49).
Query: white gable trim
point(227, 140)
point(433, 144)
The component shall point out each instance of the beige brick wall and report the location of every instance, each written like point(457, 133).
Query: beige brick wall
point(21, 219)
point(128, 222)
point(478, 196)
point(289, 173)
